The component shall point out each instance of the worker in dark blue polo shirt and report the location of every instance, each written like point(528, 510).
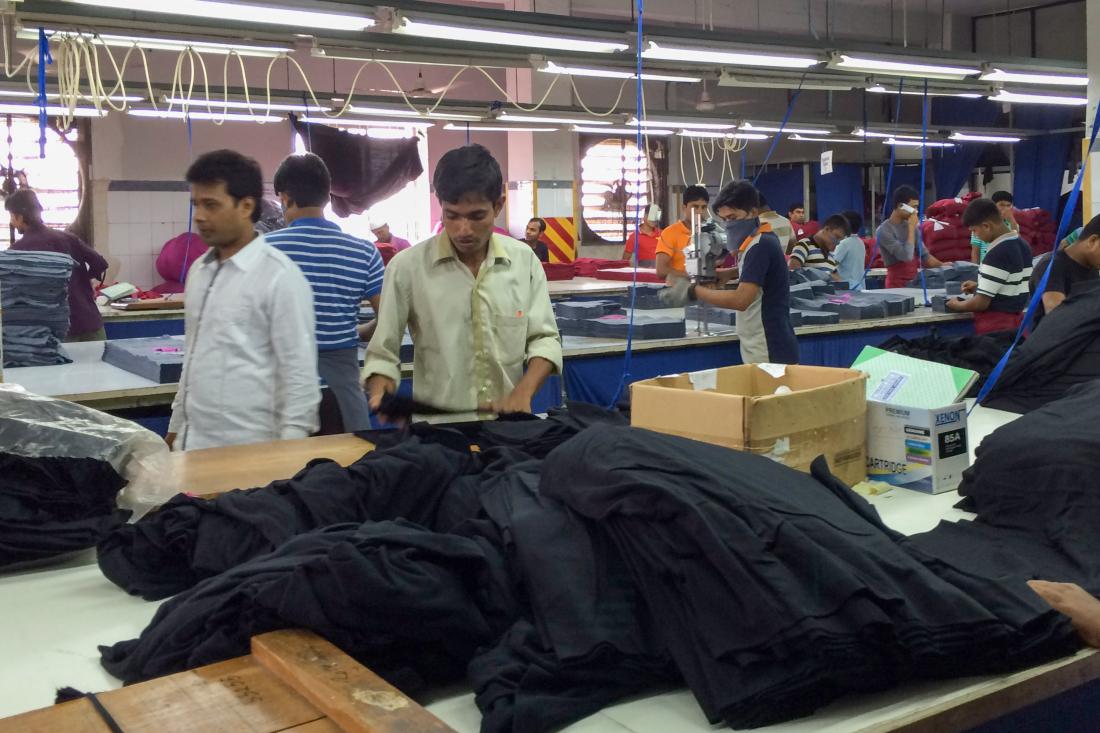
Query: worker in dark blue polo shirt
point(343, 272)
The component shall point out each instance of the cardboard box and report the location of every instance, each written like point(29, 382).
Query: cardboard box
point(917, 448)
point(916, 421)
point(824, 414)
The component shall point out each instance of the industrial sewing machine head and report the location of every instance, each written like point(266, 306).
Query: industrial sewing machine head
point(706, 248)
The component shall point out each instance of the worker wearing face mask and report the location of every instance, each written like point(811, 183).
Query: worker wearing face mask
point(762, 297)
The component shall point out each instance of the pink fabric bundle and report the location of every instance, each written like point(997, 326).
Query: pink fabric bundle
point(175, 260)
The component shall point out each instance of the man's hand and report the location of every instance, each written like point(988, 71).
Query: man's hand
point(1074, 601)
point(677, 294)
point(912, 221)
point(970, 287)
point(377, 386)
point(366, 330)
point(930, 261)
point(514, 403)
point(170, 439)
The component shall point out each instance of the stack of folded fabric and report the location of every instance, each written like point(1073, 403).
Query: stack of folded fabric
point(1038, 229)
point(943, 232)
point(938, 277)
point(34, 294)
point(589, 266)
point(559, 270)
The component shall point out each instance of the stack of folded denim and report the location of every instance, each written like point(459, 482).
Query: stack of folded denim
point(34, 294)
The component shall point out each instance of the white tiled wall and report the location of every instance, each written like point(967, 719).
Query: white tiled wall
point(139, 223)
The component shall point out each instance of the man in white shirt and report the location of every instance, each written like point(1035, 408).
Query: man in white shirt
point(250, 363)
point(475, 301)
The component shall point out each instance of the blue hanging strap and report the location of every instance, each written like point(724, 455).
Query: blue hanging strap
point(190, 210)
point(778, 135)
point(44, 58)
point(920, 207)
point(638, 142)
point(889, 179)
point(1037, 296)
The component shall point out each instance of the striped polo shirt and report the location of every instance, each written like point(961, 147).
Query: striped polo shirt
point(810, 254)
point(343, 271)
point(1005, 274)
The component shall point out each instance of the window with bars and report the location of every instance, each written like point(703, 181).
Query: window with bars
point(55, 178)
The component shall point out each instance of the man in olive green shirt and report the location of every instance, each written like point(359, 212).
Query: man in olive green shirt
point(475, 302)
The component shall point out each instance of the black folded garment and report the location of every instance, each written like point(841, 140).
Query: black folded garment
point(746, 564)
point(1062, 352)
point(411, 604)
point(189, 539)
point(51, 506)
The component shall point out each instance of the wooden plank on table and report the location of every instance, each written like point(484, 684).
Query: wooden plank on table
point(349, 694)
point(214, 471)
point(235, 696)
point(996, 698)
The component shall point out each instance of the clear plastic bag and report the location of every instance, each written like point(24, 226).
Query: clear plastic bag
point(35, 426)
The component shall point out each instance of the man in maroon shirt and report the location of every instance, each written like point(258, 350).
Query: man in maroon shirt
point(85, 323)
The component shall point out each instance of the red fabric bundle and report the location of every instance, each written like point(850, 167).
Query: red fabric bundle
point(1038, 229)
point(559, 270)
point(387, 251)
point(950, 208)
point(627, 273)
point(589, 266)
point(869, 246)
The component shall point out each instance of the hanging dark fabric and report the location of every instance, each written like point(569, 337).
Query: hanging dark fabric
point(952, 166)
point(1040, 161)
point(364, 170)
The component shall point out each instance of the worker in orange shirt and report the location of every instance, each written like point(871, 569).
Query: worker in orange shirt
point(646, 239)
point(676, 237)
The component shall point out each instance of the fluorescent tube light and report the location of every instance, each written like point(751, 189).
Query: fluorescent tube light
point(551, 120)
point(496, 128)
point(917, 143)
point(406, 112)
point(779, 82)
point(551, 68)
point(25, 94)
point(622, 130)
point(901, 68)
point(793, 130)
point(1019, 98)
point(52, 110)
point(879, 89)
point(828, 140)
point(687, 124)
point(161, 44)
point(860, 132)
point(240, 12)
point(1022, 77)
point(468, 34)
point(228, 116)
point(356, 122)
point(730, 58)
point(726, 135)
point(983, 138)
point(260, 105)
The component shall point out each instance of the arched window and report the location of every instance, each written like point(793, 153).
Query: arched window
point(55, 178)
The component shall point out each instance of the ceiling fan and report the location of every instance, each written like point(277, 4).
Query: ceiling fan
point(706, 103)
point(421, 89)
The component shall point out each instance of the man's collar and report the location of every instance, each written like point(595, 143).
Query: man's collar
point(314, 221)
point(1007, 235)
point(445, 250)
point(245, 259)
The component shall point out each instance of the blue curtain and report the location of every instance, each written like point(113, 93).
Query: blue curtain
point(838, 191)
point(952, 166)
point(782, 186)
point(1041, 160)
point(904, 175)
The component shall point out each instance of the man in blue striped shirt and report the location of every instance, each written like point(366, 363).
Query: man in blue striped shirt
point(343, 271)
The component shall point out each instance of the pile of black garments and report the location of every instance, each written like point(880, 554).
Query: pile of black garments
point(1063, 351)
point(34, 295)
point(977, 353)
point(52, 506)
point(1040, 475)
point(577, 567)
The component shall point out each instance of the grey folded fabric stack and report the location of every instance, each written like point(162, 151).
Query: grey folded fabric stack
point(34, 294)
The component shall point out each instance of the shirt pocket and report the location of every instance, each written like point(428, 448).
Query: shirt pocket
point(510, 338)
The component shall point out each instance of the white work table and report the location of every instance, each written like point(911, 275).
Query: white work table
point(53, 620)
point(91, 381)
